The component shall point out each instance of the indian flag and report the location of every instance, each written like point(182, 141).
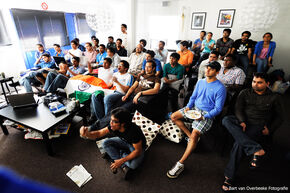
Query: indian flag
point(86, 83)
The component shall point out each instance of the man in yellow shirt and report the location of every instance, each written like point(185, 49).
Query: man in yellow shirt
point(186, 56)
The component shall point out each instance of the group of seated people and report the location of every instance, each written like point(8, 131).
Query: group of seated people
point(258, 111)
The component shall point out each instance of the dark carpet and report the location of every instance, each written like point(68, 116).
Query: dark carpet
point(203, 170)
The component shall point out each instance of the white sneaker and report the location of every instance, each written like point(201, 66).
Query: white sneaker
point(176, 170)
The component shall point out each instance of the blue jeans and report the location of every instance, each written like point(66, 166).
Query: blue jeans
point(243, 61)
point(118, 148)
point(245, 142)
point(26, 81)
point(49, 79)
point(262, 65)
point(97, 106)
point(112, 101)
point(58, 82)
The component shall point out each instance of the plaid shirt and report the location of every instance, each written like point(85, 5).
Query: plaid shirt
point(234, 75)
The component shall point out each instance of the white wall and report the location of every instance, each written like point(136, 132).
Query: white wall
point(245, 11)
point(11, 57)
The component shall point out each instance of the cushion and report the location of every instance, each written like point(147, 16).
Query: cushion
point(148, 127)
point(171, 131)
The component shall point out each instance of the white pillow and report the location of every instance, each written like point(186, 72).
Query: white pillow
point(148, 127)
point(171, 131)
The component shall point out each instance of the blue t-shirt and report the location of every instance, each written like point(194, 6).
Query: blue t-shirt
point(100, 58)
point(38, 54)
point(178, 70)
point(207, 44)
point(50, 64)
point(198, 43)
point(209, 97)
point(77, 70)
point(158, 65)
point(61, 54)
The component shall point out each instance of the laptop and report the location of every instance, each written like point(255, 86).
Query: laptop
point(58, 59)
point(22, 100)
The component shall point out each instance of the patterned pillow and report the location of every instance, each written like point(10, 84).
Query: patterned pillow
point(171, 131)
point(148, 127)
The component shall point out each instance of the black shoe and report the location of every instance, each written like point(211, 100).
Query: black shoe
point(127, 172)
point(14, 84)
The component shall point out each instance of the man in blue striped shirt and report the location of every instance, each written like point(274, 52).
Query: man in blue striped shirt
point(208, 100)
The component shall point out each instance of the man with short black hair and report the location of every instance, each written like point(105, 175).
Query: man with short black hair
point(208, 100)
point(258, 113)
point(197, 43)
point(101, 55)
point(80, 46)
point(186, 56)
point(126, 149)
point(114, 56)
point(243, 48)
point(90, 54)
point(122, 80)
point(74, 51)
point(120, 50)
point(146, 84)
point(111, 43)
point(54, 81)
point(58, 51)
point(150, 56)
point(231, 76)
point(161, 52)
point(224, 44)
point(38, 54)
point(213, 56)
point(173, 71)
point(123, 36)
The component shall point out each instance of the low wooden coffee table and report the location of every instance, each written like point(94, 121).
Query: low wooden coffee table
point(36, 118)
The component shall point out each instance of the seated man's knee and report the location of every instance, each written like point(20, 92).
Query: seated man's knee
point(176, 116)
point(226, 120)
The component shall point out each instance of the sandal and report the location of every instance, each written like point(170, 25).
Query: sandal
point(227, 184)
point(256, 161)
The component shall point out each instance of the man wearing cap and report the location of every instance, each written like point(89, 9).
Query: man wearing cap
point(208, 99)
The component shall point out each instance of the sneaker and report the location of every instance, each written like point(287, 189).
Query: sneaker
point(176, 170)
point(127, 172)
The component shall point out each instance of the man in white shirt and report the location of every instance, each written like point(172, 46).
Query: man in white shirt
point(214, 55)
point(111, 52)
point(106, 72)
point(122, 80)
point(124, 36)
point(74, 52)
point(161, 52)
point(136, 60)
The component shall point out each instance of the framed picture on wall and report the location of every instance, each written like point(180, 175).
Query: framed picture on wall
point(198, 20)
point(226, 18)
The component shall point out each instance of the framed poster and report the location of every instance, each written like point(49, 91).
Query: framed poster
point(226, 18)
point(198, 20)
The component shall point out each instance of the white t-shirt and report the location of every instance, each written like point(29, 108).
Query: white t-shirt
point(105, 74)
point(125, 79)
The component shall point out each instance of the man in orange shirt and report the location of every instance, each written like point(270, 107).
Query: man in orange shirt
point(186, 56)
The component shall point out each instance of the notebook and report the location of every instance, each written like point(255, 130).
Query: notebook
point(22, 100)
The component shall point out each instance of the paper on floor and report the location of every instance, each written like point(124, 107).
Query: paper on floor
point(79, 175)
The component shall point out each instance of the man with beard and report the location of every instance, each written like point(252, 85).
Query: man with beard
point(258, 113)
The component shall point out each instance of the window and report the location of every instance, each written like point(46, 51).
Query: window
point(83, 30)
point(4, 37)
point(35, 27)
